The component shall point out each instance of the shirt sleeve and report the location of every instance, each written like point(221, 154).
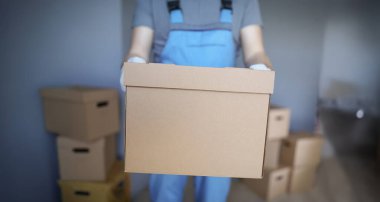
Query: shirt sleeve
point(252, 14)
point(143, 15)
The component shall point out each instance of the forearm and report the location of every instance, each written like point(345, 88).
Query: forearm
point(253, 46)
point(141, 43)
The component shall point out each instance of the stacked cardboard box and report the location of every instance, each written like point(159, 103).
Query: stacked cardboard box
point(86, 121)
point(275, 178)
point(302, 152)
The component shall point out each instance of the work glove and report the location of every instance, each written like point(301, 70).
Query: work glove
point(132, 60)
point(260, 67)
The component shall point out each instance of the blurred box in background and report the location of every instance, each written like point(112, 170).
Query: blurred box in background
point(196, 121)
point(302, 179)
point(301, 149)
point(272, 154)
point(81, 113)
point(273, 184)
point(86, 160)
point(278, 123)
point(112, 190)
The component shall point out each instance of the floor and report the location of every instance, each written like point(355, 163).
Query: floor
point(351, 174)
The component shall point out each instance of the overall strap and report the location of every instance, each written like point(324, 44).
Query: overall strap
point(226, 11)
point(226, 4)
point(176, 15)
point(174, 8)
point(173, 5)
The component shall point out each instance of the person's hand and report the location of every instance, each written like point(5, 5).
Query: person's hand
point(132, 60)
point(260, 67)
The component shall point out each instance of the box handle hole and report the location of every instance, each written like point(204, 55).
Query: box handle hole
point(278, 178)
point(82, 193)
point(279, 118)
point(102, 104)
point(81, 150)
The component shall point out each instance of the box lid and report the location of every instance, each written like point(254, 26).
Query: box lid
point(194, 78)
point(78, 93)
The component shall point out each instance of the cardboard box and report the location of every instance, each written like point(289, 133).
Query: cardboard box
point(273, 184)
point(278, 123)
point(111, 190)
point(301, 149)
point(272, 154)
point(196, 120)
point(81, 113)
point(86, 160)
point(302, 179)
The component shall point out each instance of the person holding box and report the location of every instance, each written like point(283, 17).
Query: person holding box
point(206, 33)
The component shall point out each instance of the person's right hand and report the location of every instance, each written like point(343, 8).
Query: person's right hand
point(132, 60)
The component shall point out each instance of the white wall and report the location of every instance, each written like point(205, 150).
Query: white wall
point(351, 50)
point(48, 43)
point(293, 31)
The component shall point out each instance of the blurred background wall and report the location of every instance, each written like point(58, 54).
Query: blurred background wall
point(294, 31)
point(351, 47)
point(48, 43)
point(314, 44)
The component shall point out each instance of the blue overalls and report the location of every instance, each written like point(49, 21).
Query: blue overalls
point(211, 48)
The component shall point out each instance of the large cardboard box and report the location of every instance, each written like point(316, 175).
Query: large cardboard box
point(111, 190)
point(273, 184)
point(196, 120)
point(86, 160)
point(302, 179)
point(81, 113)
point(278, 122)
point(272, 154)
point(301, 149)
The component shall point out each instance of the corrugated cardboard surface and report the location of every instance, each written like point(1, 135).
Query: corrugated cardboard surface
point(111, 190)
point(278, 123)
point(302, 179)
point(81, 113)
point(203, 132)
point(301, 149)
point(273, 184)
point(272, 154)
point(85, 160)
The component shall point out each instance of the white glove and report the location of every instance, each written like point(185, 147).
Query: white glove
point(260, 67)
point(131, 60)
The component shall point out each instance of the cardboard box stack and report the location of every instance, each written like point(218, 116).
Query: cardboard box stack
point(302, 152)
point(86, 121)
point(275, 177)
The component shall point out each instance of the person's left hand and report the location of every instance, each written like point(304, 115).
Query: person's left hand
point(260, 67)
point(131, 60)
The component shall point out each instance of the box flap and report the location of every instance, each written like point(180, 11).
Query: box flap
point(196, 78)
point(79, 93)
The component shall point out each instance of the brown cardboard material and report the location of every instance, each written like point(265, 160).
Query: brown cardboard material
point(301, 149)
point(273, 184)
point(196, 121)
point(278, 123)
point(111, 190)
point(272, 154)
point(81, 113)
point(301, 179)
point(86, 160)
